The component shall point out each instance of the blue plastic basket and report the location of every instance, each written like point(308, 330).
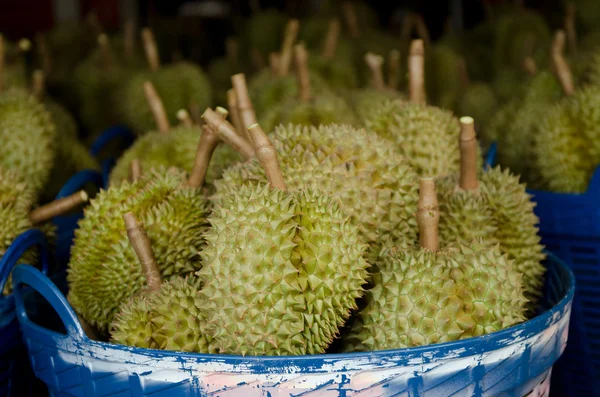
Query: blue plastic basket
point(570, 228)
point(513, 362)
point(16, 375)
point(119, 133)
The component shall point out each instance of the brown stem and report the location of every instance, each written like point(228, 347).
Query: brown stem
point(107, 59)
point(207, 145)
point(157, 107)
point(184, 117)
point(428, 215)
point(570, 26)
point(24, 45)
point(408, 25)
point(530, 66)
point(44, 53)
point(351, 20)
point(57, 207)
point(231, 48)
point(245, 107)
point(422, 30)
point(274, 62)
point(135, 170)
point(468, 154)
point(561, 67)
point(393, 69)
point(1, 63)
point(375, 64)
point(416, 72)
point(129, 39)
point(143, 250)
point(463, 73)
point(331, 39)
point(227, 133)
point(302, 71)
point(222, 112)
point(257, 59)
point(285, 59)
point(150, 49)
point(235, 113)
point(38, 86)
point(267, 156)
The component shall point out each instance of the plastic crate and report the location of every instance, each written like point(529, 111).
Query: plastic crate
point(513, 362)
point(570, 228)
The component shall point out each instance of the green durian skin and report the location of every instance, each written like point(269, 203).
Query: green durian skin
point(264, 31)
point(302, 265)
point(175, 149)
point(363, 172)
point(367, 101)
point(171, 318)
point(425, 135)
point(479, 102)
point(422, 297)
point(104, 271)
point(442, 76)
point(179, 85)
point(219, 72)
point(28, 138)
point(340, 74)
point(65, 124)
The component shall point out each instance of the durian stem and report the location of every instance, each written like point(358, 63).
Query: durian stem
point(285, 59)
point(231, 48)
point(57, 207)
point(422, 30)
point(570, 15)
point(375, 64)
point(135, 170)
point(244, 104)
point(274, 62)
point(157, 108)
point(234, 110)
point(302, 71)
point(351, 20)
point(408, 25)
point(150, 49)
point(561, 67)
point(530, 66)
point(416, 72)
point(393, 69)
point(107, 59)
point(221, 111)
point(206, 147)
point(38, 86)
point(257, 59)
point(428, 215)
point(129, 39)
point(463, 73)
point(24, 45)
point(44, 53)
point(331, 39)
point(267, 156)
point(468, 154)
point(227, 133)
point(184, 118)
point(143, 250)
point(1, 63)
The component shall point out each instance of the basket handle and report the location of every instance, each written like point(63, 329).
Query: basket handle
point(78, 181)
point(110, 134)
point(32, 277)
point(18, 247)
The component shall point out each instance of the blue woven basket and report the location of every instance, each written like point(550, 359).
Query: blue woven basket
point(15, 373)
point(570, 228)
point(513, 362)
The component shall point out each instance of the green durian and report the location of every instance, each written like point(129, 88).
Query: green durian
point(300, 257)
point(263, 31)
point(103, 270)
point(13, 70)
point(480, 102)
point(427, 295)
point(443, 77)
point(220, 70)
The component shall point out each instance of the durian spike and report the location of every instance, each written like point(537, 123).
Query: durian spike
point(206, 147)
point(24, 45)
point(157, 107)
point(375, 64)
point(428, 215)
point(468, 154)
point(227, 133)
point(1, 63)
point(235, 113)
point(43, 52)
point(150, 49)
point(245, 107)
point(274, 62)
point(135, 170)
point(301, 56)
point(331, 39)
point(105, 50)
point(561, 67)
point(351, 20)
point(257, 59)
point(570, 29)
point(184, 118)
point(416, 72)
point(231, 48)
point(57, 207)
point(285, 58)
point(393, 69)
point(129, 39)
point(38, 86)
point(530, 66)
point(422, 30)
point(143, 250)
point(463, 73)
point(267, 156)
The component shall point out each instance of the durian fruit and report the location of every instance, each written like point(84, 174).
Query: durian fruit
point(164, 315)
point(492, 208)
point(425, 135)
point(307, 109)
point(103, 270)
point(442, 74)
point(263, 30)
point(426, 295)
point(13, 71)
point(220, 70)
point(181, 85)
point(566, 147)
point(175, 147)
point(300, 258)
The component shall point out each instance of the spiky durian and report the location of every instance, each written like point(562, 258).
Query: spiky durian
point(442, 76)
point(428, 295)
point(301, 259)
point(480, 101)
